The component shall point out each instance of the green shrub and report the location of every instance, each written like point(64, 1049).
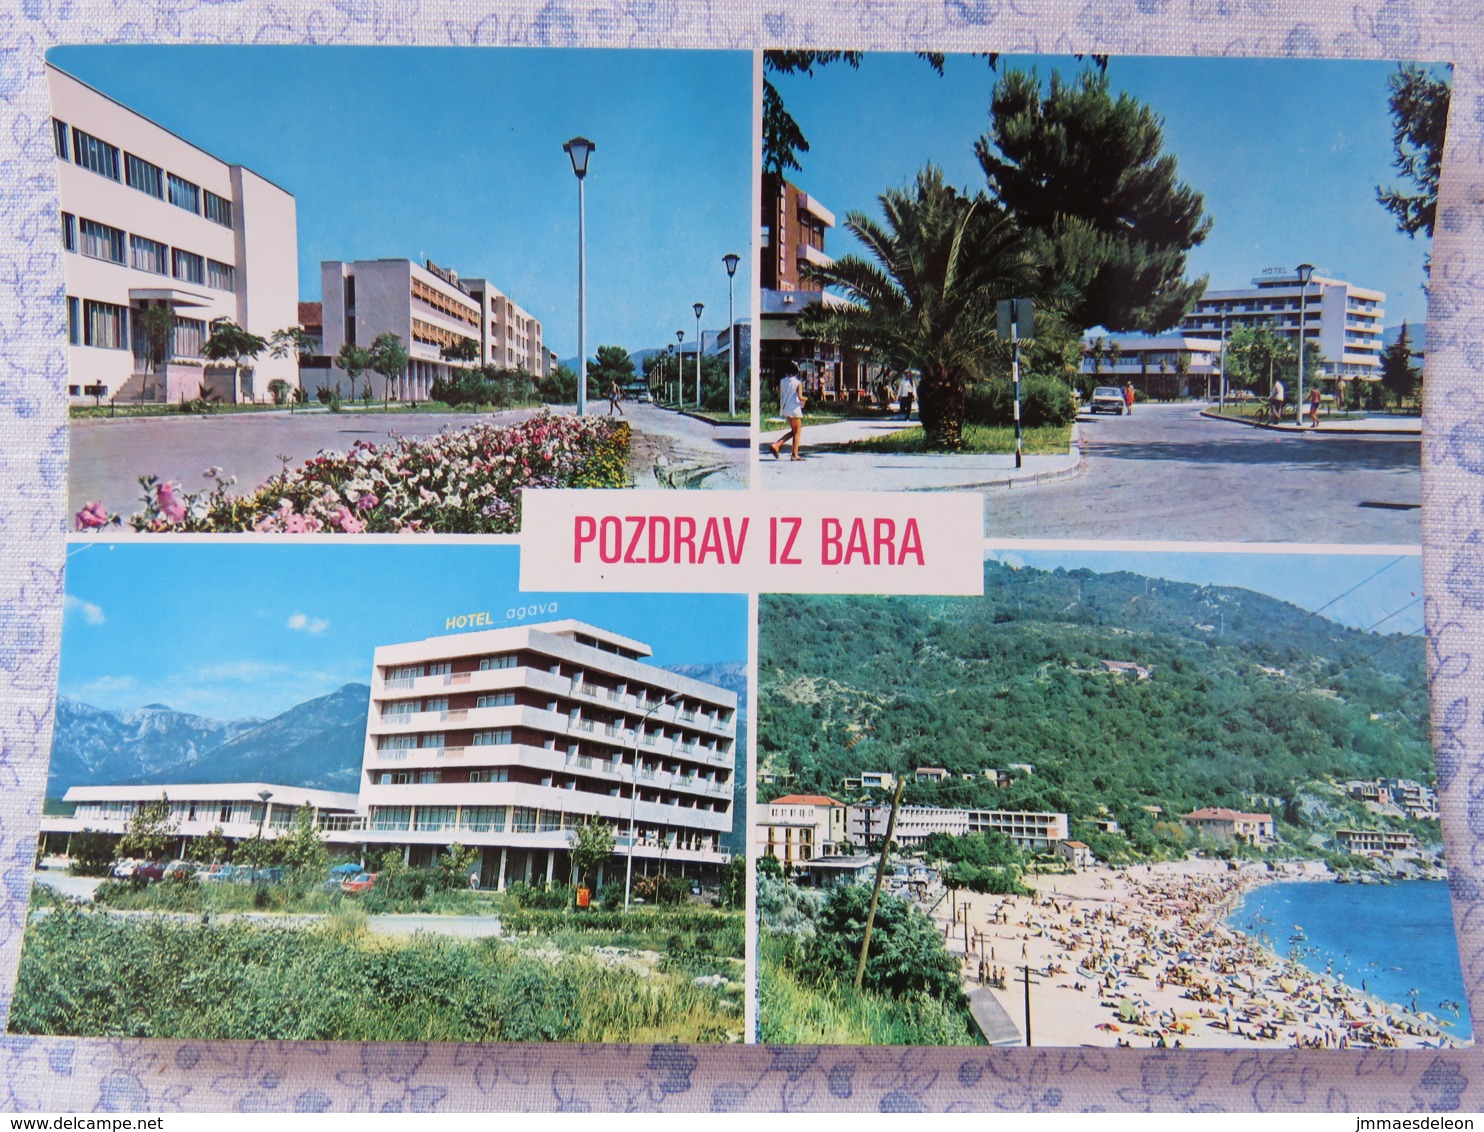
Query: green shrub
point(1043, 401)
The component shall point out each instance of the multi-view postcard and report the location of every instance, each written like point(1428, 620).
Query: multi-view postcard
point(1167, 782)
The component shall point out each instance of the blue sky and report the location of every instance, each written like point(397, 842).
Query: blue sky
point(455, 155)
point(1385, 589)
point(1287, 152)
point(232, 630)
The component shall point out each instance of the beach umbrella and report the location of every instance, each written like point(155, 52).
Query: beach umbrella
point(1106, 1026)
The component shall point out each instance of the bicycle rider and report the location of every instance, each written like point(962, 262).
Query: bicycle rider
point(1275, 402)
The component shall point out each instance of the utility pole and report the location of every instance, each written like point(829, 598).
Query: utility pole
point(891, 829)
point(1025, 977)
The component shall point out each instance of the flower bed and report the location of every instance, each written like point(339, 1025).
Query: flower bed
point(458, 482)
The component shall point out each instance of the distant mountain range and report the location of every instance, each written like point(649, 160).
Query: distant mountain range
point(314, 744)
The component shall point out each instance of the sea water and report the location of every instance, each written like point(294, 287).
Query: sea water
point(1393, 938)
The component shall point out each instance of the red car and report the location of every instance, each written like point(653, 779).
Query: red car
point(359, 883)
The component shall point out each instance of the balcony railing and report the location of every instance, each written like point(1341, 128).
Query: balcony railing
point(399, 684)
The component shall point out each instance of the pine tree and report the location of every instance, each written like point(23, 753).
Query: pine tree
point(1399, 377)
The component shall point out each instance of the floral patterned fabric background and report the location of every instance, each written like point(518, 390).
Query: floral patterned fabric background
point(59, 1074)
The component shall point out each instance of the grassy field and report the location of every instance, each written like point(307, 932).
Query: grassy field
point(86, 972)
point(1047, 440)
point(790, 1012)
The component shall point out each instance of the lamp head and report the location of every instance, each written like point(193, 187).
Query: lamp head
point(731, 260)
point(698, 307)
point(579, 149)
point(680, 336)
point(1305, 273)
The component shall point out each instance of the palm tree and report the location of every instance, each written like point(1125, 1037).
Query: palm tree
point(927, 303)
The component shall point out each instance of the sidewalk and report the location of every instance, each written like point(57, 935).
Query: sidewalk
point(827, 465)
point(1373, 426)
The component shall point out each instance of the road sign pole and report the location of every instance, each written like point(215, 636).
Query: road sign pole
point(1015, 365)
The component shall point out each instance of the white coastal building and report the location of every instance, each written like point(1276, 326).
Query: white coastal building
point(150, 220)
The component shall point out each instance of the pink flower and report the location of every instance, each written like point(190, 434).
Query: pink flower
point(366, 502)
point(91, 517)
point(348, 522)
point(171, 507)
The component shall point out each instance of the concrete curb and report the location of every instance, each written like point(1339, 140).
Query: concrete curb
point(1307, 431)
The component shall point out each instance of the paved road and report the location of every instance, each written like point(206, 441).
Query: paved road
point(109, 456)
point(1168, 473)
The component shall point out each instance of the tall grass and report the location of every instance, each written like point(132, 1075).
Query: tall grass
point(793, 1012)
point(89, 973)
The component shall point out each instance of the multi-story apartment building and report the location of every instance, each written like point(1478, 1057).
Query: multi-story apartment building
point(1028, 829)
point(796, 828)
point(239, 809)
point(505, 740)
point(1231, 825)
point(1343, 320)
point(150, 220)
point(1376, 842)
point(430, 309)
point(792, 236)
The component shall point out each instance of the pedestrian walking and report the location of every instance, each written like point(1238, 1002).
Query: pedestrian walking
point(1314, 399)
point(613, 398)
point(906, 394)
point(791, 405)
point(1128, 397)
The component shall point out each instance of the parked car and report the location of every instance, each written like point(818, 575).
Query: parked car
point(123, 869)
point(362, 882)
point(149, 870)
point(1107, 399)
point(179, 869)
point(219, 873)
point(270, 875)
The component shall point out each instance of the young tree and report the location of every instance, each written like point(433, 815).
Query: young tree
point(211, 848)
point(465, 352)
point(156, 325)
point(354, 360)
point(592, 843)
point(150, 831)
point(291, 341)
point(1086, 171)
point(927, 303)
point(1419, 114)
point(454, 866)
point(1399, 377)
point(302, 849)
point(388, 357)
point(228, 342)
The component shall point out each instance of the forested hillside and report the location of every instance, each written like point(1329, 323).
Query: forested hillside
point(1237, 700)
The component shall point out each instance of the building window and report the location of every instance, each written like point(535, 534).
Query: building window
point(432, 741)
point(523, 819)
point(400, 709)
point(74, 322)
point(96, 155)
point(105, 325)
point(440, 668)
point(391, 817)
point(101, 242)
point(187, 266)
point(146, 255)
point(489, 663)
point(491, 774)
point(185, 195)
point(551, 820)
point(140, 174)
point(222, 276)
point(435, 817)
point(218, 209)
point(59, 138)
point(492, 738)
point(485, 819)
point(190, 336)
point(396, 742)
point(501, 699)
point(69, 232)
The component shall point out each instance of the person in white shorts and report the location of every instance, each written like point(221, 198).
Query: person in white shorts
point(791, 404)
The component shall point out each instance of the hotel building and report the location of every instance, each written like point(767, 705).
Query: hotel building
point(1028, 829)
point(507, 739)
point(797, 828)
point(792, 237)
point(430, 309)
point(149, 220)
point(1222, 824)
point(504, 741)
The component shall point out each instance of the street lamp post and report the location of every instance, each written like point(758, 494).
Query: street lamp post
point(679, 370)
point(628, 878)
point(579, 149)
point(1221, 391)
point(263, 796)
point(1305, 273)
point(698, 307)
point(731, 260)
point(669, 352)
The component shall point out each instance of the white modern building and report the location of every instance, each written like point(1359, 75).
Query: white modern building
point(1028, 829)
point(430, 309)
point(239, 809)
point(1343, 320)
point(150, 220)
point(504, 741)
